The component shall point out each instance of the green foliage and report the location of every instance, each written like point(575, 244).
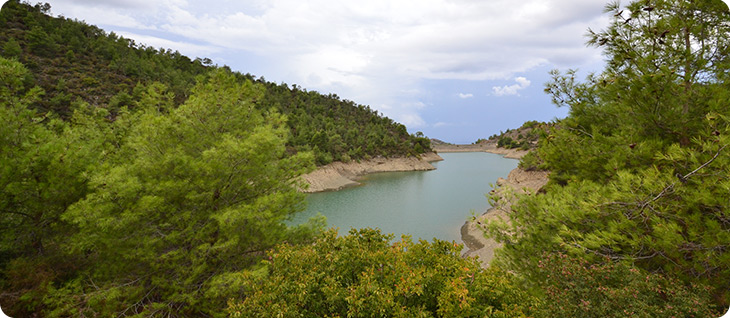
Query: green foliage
point(506, 142)
point(11, 49)
point(40, 43)
point(137, 181)
point(523, 138)
point(666, 217)
point(531, 162)
point(639, 169)
point(151, 213)
point(530, 124)
point(206, 190)
point(333, 128)
point(363, 274)
point(100, 68)
point(44, 169)
point(577, 288)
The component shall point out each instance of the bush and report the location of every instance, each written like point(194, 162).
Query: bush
point(506, 142)
point(365, 274)
point(531, 162)
point(576, 288)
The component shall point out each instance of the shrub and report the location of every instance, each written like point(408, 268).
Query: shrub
point(531, 162)
point(365, 274)
point(576, 288)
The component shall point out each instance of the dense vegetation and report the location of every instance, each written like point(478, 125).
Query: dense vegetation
point(75, 62)
point(365, 274)
point(165, 193)
point(524, 138)
point(136, 181)
point(152, 213)
point(640, 171)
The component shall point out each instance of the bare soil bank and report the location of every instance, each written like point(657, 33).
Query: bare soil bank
point(490, 147)
point(518, 181)
point(472, 232)
point(338, 175)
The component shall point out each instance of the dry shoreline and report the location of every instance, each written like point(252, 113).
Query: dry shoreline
point(338, 175)
point(518, 181)
point(490, 147)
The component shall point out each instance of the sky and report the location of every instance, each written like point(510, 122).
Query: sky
point(456, 70)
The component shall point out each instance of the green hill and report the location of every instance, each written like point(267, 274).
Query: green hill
point(73, 61)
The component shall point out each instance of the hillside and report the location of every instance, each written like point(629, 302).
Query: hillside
point(136, 182)
point(74, 62)
point(525, 137)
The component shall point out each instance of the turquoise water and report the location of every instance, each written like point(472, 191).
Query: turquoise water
point(424, 204)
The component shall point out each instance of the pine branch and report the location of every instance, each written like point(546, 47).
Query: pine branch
point(682, 178)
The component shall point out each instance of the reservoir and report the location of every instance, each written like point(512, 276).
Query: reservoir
point(423, 204)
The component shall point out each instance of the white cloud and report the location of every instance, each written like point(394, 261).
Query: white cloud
point(464, 96)
point(114, 4)
point(195, 50)
point(438, 39)
point(367, 51)
point(441, 124)
point(514, 89)
point(411, 120)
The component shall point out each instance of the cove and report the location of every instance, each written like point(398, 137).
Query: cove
point(423, 204)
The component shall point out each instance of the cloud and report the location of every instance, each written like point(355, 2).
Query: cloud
point(434, 39)
point(514, 89)
point(411, 120)
point(370, 52)
point(465, 96)
point(115, 4)
point(196, 50)
point(441, 124)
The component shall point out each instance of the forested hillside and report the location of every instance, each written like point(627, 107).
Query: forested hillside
point(131, 186)
point(74, 62)
point(138, 181)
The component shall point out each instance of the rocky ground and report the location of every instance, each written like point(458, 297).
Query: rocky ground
point(472, 232)
point(338, 175)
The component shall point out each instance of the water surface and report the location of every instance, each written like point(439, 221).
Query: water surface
point(424, 204)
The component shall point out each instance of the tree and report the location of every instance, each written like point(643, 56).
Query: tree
point(365, 274)
point(639, 168)
point(40, 42)
point(664, 61)
point(12, 48)
point(44, 166)
point(196, 196)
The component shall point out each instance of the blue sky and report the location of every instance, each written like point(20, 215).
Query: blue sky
point(457, 70)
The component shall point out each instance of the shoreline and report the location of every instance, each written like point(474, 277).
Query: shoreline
point(472, 232)
point(339, 175)
point(518, 181)
point(490, 147)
